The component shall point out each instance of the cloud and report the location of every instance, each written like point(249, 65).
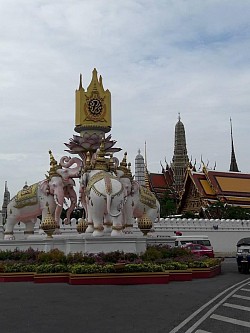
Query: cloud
point(158, 59)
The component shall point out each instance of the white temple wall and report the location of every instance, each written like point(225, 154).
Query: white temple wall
point(223, 234)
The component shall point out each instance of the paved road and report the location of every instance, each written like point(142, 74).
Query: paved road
point(47, 308)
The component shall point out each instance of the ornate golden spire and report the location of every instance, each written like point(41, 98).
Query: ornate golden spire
point(101, 163)
point(53, 166)
point(125, 167)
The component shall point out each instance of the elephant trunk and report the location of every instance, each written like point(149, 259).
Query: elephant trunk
point(109, 205)
point(58, 213)
point(73, 199)
point(67, 162)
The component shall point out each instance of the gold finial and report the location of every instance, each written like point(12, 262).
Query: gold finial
point(123, 163)
point(88, 161)
point(111, 163)
point(100, 82)
point(100, 163)
point(53, 166)
point(129, 173)
point(125, 168)
point(80, 83)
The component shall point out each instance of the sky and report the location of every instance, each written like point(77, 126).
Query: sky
point(158, 58)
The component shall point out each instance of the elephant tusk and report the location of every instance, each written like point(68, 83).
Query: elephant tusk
point(56, 201)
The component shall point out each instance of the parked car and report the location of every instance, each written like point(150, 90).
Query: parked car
point(199, 249)
point(195, 239)
point(243, 255)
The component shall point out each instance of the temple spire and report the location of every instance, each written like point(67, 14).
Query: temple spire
point(180, 159)
point(233, 164)
point(140, 168)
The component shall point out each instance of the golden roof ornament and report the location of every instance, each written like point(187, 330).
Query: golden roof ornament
point(100, 162)
point(129, 173)
point(111, 163)
point(88, 162)
point(125, 167)
point(53, 167)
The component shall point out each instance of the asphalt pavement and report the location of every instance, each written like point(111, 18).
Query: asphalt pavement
point(27, 307)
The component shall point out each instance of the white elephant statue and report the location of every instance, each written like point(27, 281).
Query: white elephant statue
point(139, 200)
point(102, 195)
point(145, 201)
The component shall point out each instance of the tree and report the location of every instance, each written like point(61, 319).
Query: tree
point(220, 210)
point(168, 204)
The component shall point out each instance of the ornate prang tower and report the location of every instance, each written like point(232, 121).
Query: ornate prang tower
point(140, 168)
point(93, 107)
point(180, 159)
point(6, 200)
point(233, 164)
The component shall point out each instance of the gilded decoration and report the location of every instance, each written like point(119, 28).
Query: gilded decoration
point(27, 196)
point(93, 107)
point(108, 184)
point(147, 197)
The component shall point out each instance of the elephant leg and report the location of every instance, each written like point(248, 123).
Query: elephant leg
point(128, 218)
point(98, 226)
point(117, 228)
point(97, 212)
point(9, 227)
point(107, 223)
point(29, 228)
point(89, 219)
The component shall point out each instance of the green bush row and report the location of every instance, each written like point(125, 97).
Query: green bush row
point(107, 268)
point(152, 254)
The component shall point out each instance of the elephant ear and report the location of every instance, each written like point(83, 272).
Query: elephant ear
point(44, 185)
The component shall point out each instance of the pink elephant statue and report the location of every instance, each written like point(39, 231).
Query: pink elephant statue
point(35, 200)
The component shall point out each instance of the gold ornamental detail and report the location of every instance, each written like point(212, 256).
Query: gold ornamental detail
point(94, 108)
point(27, 196)
point(147, 197)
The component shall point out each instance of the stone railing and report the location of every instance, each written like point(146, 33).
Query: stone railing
point(203, 224)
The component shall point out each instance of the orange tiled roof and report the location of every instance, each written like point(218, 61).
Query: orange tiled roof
point(230, 187)
point(158, 180)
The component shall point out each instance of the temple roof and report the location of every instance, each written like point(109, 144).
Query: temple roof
point(160, 182)
point(229, 187)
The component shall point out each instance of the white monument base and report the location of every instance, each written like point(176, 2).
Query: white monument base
point(84, 243)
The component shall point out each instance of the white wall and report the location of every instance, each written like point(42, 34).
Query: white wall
point(223, 234)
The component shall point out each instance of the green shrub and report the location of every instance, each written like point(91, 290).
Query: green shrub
point(53, 256)
point(91, 269)
point(175, 265)
point(146, 267)
point(19, 267)
point(152, 253)
point(52, 268)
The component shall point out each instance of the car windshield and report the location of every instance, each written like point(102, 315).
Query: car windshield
point(205, 242)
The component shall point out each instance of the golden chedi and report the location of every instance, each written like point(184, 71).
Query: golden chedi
point(144, 223)
point(48, 224)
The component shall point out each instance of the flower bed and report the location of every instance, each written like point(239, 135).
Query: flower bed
point(159, 264)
